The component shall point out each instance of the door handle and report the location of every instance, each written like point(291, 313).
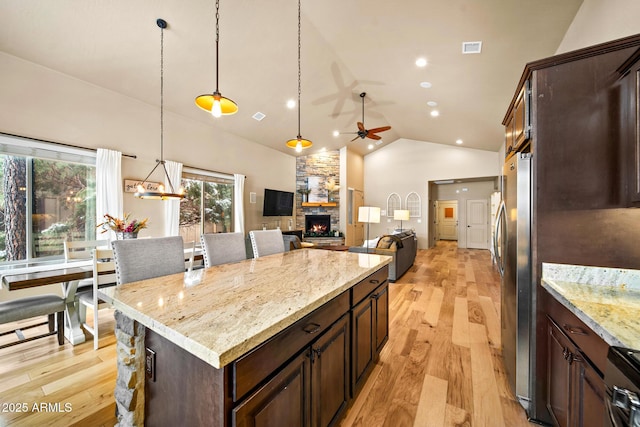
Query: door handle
point(502, 210)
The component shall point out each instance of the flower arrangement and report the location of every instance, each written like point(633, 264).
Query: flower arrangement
point(122, 225)
point(331, 185)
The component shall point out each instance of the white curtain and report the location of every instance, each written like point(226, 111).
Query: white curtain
point(172, 207)
point(108, 187)
point(238, 203)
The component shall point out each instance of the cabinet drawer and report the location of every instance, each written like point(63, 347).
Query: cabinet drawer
point(591, 344)
point(251, 369)
point(361, 290)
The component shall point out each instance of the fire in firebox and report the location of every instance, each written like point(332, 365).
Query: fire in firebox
point(317, 225)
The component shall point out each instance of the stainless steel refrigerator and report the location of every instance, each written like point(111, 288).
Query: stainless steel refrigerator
point(512, 240)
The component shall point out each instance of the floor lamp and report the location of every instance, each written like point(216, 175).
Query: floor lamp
point(401, 215)
point(370, 215)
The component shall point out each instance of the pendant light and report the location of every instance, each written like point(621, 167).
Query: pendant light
point(160, 194)
point(299, 142)
point(215, 103)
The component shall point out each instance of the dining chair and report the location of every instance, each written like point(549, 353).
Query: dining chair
point(81, 250)
point(139, 259)
point(189, 254)
point(222, 248)
point(103, 275)
point(266, 242)
point(34, 306)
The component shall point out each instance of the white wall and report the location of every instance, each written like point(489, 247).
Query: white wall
point(40, 103)
point(408, 165)
point(598, 21)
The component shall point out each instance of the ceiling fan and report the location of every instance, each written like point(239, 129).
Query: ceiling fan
point(367, 133)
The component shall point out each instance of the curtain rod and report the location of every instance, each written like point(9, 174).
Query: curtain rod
point(132, 156)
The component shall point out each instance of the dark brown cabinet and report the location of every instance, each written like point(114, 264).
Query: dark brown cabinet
point(370, 331)
point(576, 388)
point(330, 375)
point(576, 358)
point(630, 93)
point(517, 124)
point(284, 398)
point(311, 390)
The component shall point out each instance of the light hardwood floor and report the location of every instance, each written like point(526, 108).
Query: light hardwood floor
point(440, 367)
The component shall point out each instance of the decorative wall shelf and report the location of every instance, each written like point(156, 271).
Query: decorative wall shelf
point(319, 204)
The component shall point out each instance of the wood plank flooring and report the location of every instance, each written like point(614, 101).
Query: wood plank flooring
point(440, 367)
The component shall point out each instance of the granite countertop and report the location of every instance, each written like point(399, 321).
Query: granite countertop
point(220, 313)
point(605, 299)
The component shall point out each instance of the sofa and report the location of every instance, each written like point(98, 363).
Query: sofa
point(401, 246)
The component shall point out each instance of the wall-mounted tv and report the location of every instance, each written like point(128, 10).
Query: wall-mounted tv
point(277, 203)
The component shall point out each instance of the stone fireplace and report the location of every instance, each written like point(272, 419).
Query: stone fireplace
point(317, 225)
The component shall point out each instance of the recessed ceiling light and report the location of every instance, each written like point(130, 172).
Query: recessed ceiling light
point(323, 149)
point(370, 146)
point(421, 62)
point(435, 113)
point(425, 85)
point(459, 141)
point(259, 116)
point(291, 104)
point(432, 104)
point(336, 133)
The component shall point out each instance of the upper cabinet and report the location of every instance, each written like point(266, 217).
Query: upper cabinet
point(630, 124)
point(518, 122)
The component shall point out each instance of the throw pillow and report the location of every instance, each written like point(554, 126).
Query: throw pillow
point(371, 243)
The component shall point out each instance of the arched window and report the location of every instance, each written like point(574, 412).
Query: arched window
point(393, 202)
point(413, 204)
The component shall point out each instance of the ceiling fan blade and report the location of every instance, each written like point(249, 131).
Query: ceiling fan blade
point(373, 136)
point(355, 138)
point(361, 127)
point(380, 129)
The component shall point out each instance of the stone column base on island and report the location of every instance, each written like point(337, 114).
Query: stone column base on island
point(129, 391)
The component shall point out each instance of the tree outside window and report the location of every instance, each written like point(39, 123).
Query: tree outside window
point(211, 213)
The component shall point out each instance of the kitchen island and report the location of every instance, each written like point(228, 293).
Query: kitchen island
point(286, 339)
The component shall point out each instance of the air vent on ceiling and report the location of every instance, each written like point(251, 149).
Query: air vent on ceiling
point(471, 47)
point(259, 116)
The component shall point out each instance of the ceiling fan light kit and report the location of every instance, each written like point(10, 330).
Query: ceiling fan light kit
point(214, 102)
point(299, 143)
point(160, 194)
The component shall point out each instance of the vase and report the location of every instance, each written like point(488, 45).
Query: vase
point(123, 235)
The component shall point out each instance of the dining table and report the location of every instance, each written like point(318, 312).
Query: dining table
point(68, 274)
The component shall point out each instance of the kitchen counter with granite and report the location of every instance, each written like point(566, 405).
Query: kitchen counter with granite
point(605, 299)
point(220, 313)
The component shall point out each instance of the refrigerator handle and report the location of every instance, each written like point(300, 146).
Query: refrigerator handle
point(502, 210)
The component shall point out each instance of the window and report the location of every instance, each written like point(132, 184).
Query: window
point(47, 197)
point(208, 204)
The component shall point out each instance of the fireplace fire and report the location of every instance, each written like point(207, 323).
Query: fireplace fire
point(317, 225)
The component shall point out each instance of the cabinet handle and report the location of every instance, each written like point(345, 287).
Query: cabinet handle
point(574, 330)
point(374, 281)
point(311, 328)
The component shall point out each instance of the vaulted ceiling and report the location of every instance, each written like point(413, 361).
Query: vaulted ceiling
point(348, 47)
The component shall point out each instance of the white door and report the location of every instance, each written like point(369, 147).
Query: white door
point(477, 224)
point(448, 220)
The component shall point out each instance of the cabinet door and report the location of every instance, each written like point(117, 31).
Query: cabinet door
point(590, 393)
point(283, 401)
point(363, 342)
point(558, 375)
point(330, 374)
point(521, 118)
point(381, 302)
point(508, 136)
point(632, 125)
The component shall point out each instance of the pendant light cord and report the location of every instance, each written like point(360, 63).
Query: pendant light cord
point(217, 39)
point(299, 70)
point(162, 94)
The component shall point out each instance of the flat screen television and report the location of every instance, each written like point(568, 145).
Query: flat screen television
point(277, 203)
